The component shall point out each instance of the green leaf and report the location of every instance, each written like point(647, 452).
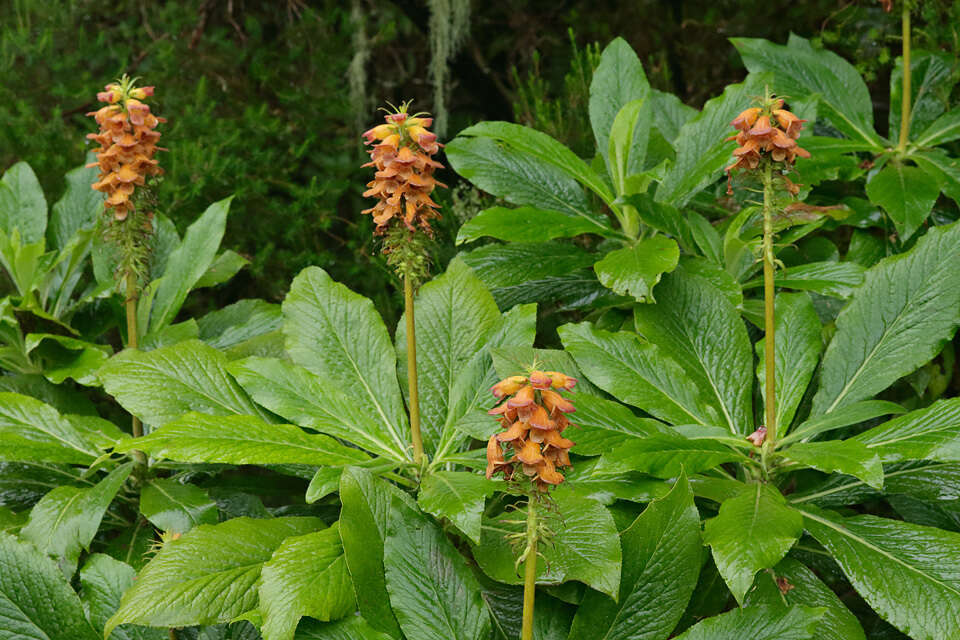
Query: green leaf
point(840, 456)
point(801, 71)
point(65, 520)
point(931, 433)
point(225, 266)
point(161, 385)
point(66, 357)
point(306, 576)
point(504, 265)
point(669, 114)
point(32, 431)
point(324, 482)
point(339, 336)
point(628, 143)
point(22, 205)
point(432, 589)
point(525, 224)
point(618, 80)
point(907, 194)
point(584, 547)
point(797, 348)
point(176, 507)
point(77, 209)
point(695, 325)
point(661, 561)
point(758, 623)
point(457, 496)
point(943, 168)
point(836, 279)
point(898, 320)
point(753, 531)
point(844, 417)
point(931, 74)
point(364, 519)
point(198, 437)
point(665, 455)
point(905, 572)
point(454, 316)
point(207, 576)
point(634, 271)
point(603, 425)
point(350, 628)
point(36, 601)
point(702, 152)
point(187, 264)
point(103, 581)
point(946, 128)
point(239, 322)
point(638, 373)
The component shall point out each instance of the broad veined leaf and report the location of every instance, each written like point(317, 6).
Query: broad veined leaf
point(932, 433)
point(324, 482)
point(669, 114)
point(434, 594)
point(454, 315)
point(584, 547)
point(76, 209)
point(802, 71)
point(840, 456)
point(758, 623)
point(103, 581)
point(661, 561)
point(339, 336)
point(797, 346)
point(551, 616)
point(239, 322)
point(854, 413)
point(198, 437)
point(932, 83)
point(299, 396)
point(458, 496)
point(753, 531)
point(638, 373)
point(665, 455)
point(161, 385)
point(924, 480)
point(208, 575)
point(306, 576)
point(898, 320)
point(32, 431)
point(176, 507)
point(946, 128)
point(185, 266)
point(791, 583)
point(628, 144)
point(65, 520)
point(618, 80)
point(634, 271)
point(906, 572)
point(36, 600)
point(907, 194)
point(603, 424)
point(632, 485)
point(945, 169)
point(22, 205)
point(67, 357)
point(226, 265)
point(349, 628)
point(526, 224)
point(696, 325)
point(513, 264)
point(836, 279)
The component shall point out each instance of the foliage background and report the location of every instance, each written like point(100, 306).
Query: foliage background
point(267, 98)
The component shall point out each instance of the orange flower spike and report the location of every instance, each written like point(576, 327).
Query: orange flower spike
point(556, 402)
point(523, 398)
point(746, 119)
point(790, 123)
point(508, 386)
point(761, 127)
point(561, 381)
point(540, 419)
point(529, 453)
point(516, 431)
point(548, 474)
point(540, 380)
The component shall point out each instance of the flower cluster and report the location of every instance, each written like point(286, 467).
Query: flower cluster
point(533, 416)
point(768, 131)
point(402, 155)
point(128, 142)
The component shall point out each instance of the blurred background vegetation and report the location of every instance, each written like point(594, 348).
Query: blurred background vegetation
point(266, 99)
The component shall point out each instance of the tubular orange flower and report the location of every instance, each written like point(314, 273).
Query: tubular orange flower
point(532, 418)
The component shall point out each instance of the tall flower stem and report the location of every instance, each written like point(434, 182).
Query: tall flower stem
point(905, 89)
point(769, 317)
point(412, 371)
point(132, 342)
point(530, 571)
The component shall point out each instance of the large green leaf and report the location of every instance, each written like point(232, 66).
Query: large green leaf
point(906, 572)
point(207, 576)
point(513, 264)
point(176, 507)
point(458, 496)
point(854, 413)
point(198, 437)
point(22, 205)
point(32, 431)
point(800, 71)
point(525, 224)
point(603, 424)
point(899, 319)
point(36, 601)
point(946, 128)
point(665, 455)
point(835, 279)
point(618, 80)
point(661, 560)
point(696, 325)
point(932, 433)
point(103, 582)
point(306, 576)
point(238, 322)
point(339, 336)
point(76, 209)
point(634, 271)
point(840, 456)
point(932, 80)
point(628, 144)
point(907, 194)
point(187, 264)
point(65, 520)
point(432, 590)
point(791, 583)
point(702, 152)
point(350, 628)
point(584, 546)
point(454, 314)
point(753, 531)
point(638, 373)
point(161, 385)
point(797, 346)
point(65, 357)
point(944, 168)
point(758, 623)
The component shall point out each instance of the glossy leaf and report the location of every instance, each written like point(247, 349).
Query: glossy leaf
point(617, 81)
point(843, 417)
point(907, 194)
point(836, 279)
point(22, 204)
point(349, 628)
point(238, 322)
point(176, 507)
point(634, 271)
point(946, 128)
point(458, 496)
point(666, 455)
point(525, 224)
point(930, 87)
point(103, 582)
point(32, 431)
point(628, 143)
point(758, 623)
point(932, 433)
point(77, 209)
point(603, 424)
point(840, 456)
